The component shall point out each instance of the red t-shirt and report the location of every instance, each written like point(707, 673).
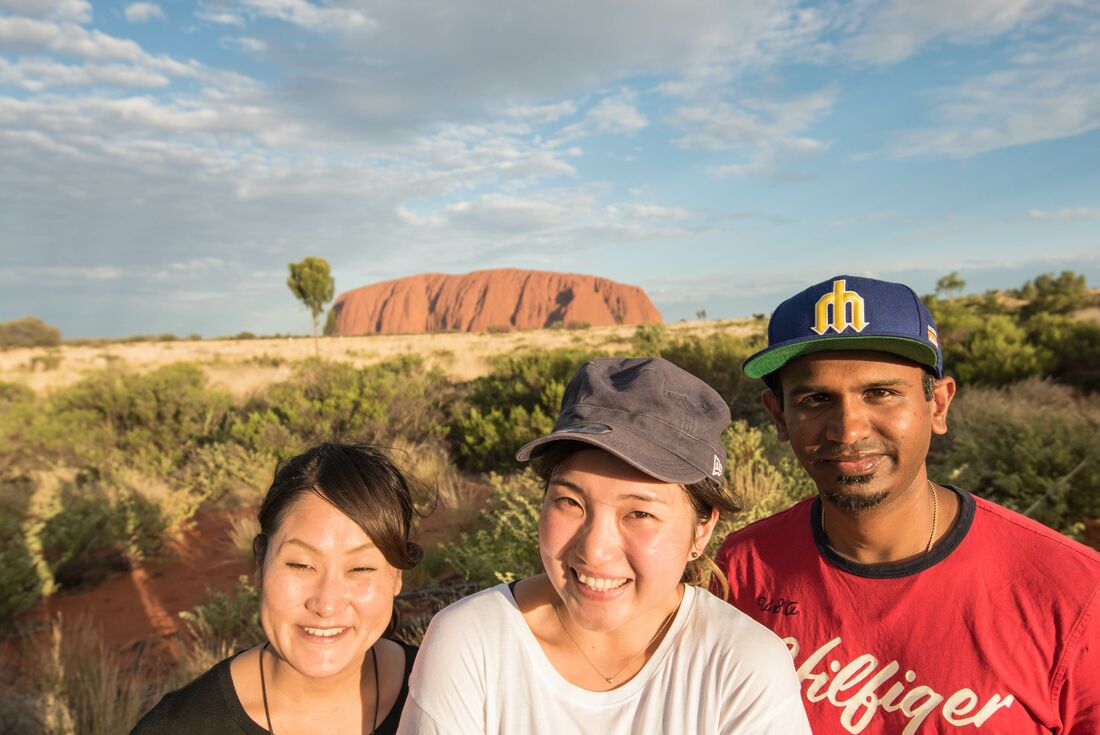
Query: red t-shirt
point(997, 628)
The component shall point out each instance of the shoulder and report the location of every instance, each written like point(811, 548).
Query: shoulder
point(734, 640)
point(784, 524)
point(469, 625)
point(494, 603)
point(1019, 534)
point(195, 707)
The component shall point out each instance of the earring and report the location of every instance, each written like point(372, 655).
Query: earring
point(695, 555)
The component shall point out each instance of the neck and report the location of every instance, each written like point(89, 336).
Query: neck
point(896, 530)
point(292, 688)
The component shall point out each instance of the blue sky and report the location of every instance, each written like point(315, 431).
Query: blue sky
point(162, 162)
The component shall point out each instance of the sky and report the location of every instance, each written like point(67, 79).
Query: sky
point(162, 162)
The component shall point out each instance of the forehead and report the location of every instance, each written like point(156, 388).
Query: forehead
point(839, 368)
point(605, 477)
point(319, 523)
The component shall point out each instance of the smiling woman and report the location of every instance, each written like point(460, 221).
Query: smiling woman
point(614, 637)
point(333, 542)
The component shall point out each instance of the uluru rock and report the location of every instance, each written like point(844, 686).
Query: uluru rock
point(502, 298)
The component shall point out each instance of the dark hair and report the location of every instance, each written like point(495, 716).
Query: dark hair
point(705, 495)
point(361, 482)
point(928, 383)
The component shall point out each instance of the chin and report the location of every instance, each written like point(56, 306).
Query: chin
point(847, 497)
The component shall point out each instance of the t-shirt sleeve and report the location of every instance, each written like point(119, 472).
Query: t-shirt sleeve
point(447, 686)
point(1079, 694)
point(767, 700)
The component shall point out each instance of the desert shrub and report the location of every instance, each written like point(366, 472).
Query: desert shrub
point(515, 403)
point(227, 620)
point(1068, 348)
point(29, 331)
point(80, 684)
point(716, 360)
point(1013, 444)
point(329, 400)
point(763, 472)
point(505, 545)
point(649, 339)
point(1050, 294)
point(149, 421)
point(995, 352)
point(20, 583)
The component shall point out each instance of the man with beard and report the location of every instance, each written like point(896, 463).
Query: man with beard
point(909, 605)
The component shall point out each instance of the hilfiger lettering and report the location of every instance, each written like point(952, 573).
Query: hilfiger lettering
point(860, 688)
point(846, 309)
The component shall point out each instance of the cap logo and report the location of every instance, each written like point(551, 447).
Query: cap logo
point(847, 310)
point(717, 471)
point(932, 337)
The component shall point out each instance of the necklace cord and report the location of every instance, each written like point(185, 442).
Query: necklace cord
point(611, 679)
point(263, 690)
point(935, 516)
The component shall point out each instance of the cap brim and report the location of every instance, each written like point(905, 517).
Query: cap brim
point(634, 449)
point(771, 359)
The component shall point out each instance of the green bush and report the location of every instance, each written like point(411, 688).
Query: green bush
point(517, 402)
point(505, 545)
point(227, 620)
point(328, 400)
point(1048, 294)
point(1068, 348)
point(29, 331)
point(20, 583)
point(1013, 444)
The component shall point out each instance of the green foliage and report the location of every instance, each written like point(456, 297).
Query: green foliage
point(325, 400)
point(1048, 294)
point(227, 620)
point(996, 353)
point(1013, 444)
point(20, 585)
point(330, 323)
point(505, 546)
point(950, 285)
point(312, 284)
point(150, 421)
point(29, 331)
point(517, 402)
point(1069, 349)
point(650, 339)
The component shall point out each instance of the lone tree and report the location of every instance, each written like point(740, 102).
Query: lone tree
point(313, 285)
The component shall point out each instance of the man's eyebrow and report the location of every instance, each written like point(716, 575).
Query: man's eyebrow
point(884, 383)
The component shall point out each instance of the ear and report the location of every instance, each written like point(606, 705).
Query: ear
point(942, 396)
point(703, 531)
point(771, 402)
point(398, 583)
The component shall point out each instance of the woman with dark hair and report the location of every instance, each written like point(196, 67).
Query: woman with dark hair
point(333, 542)
point(614, 637)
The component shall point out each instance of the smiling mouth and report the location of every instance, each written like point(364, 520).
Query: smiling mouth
point(599, 584)
point(322, 632)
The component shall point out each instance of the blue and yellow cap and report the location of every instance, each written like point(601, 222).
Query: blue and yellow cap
point(850, 313)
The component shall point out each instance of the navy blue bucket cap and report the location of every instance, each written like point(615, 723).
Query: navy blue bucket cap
point(850, 313)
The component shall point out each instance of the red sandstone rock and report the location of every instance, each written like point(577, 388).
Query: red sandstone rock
point(504, 298)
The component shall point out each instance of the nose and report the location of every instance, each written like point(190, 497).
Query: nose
point(848, 421)
point(328, 595)
point(597, 540)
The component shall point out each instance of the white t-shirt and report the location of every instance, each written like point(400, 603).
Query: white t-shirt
point(481, 670)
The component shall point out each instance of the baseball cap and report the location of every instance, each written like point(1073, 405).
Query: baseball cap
point(649, 413)
point(850, 313)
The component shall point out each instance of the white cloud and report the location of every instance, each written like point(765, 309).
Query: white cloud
point(247, 44)
point(71, 11)
point(1054, 93)
point(143, 12)
point(617, 114)
point(547, 113)
point(38, 74)
point(894, 30)
point(1065, 214)
point(308, 15)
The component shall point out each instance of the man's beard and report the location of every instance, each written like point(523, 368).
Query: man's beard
point(854, 501)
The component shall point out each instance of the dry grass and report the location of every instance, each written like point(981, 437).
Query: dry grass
point(245, 366)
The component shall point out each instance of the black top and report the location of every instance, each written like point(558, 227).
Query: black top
point(209, 706)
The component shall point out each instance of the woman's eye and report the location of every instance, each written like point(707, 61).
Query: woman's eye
point(295, 565)
point(640, 515)
point(567, 502)
point(363, 569)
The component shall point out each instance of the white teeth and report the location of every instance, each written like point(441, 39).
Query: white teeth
point(324, 632)
point(600, 584)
